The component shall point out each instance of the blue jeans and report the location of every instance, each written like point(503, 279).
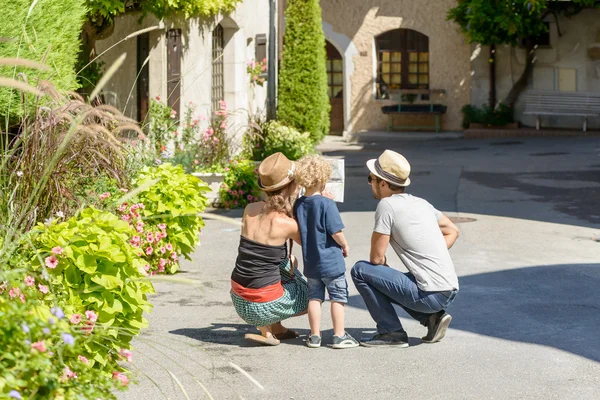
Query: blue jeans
point(336, 287)
point(381, 287)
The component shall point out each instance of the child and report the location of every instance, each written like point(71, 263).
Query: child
point(323, 248)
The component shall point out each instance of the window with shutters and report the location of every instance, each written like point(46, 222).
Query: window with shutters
point(218, 92)
point(402, 61)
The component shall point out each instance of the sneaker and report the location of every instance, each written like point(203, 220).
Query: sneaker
point(398, 338)
point(437, 324)
point(313, 341)
point(344, 342)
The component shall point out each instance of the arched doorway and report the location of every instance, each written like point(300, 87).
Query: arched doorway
point(335, 84)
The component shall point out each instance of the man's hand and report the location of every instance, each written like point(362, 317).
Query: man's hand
point(346, 250)
point(449, 230)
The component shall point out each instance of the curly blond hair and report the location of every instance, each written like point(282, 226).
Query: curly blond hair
point(313, 172)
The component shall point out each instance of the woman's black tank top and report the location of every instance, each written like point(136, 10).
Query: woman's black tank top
point(257, 264)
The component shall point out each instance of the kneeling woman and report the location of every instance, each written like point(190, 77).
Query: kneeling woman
point(266, 287)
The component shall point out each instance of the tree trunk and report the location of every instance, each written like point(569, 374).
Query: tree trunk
point(492, 61)
point(523, 81)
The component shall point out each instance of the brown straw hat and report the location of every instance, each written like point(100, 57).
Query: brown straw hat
point(392, 167)
point(275, 172)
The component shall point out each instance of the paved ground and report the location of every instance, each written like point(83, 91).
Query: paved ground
point(526, 321)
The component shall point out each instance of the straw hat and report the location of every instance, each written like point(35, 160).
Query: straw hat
point(275, 172)
point(392, 167)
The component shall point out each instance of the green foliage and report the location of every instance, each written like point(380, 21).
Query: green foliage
point(507, 22)
point(174, 198)
point(303, 98)
point(487, 116)
point(50, 35)
point(161, 126)
point(240, 185)
point(36, 361)
point(93, 267)
point(275, 137)
point(163, 9)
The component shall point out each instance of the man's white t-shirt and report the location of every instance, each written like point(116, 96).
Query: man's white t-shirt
point(412, 224)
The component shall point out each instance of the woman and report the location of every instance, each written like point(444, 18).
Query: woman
point(266, 286)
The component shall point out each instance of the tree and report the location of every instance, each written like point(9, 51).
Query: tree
point(46, 32)
point(496, 22)
point(303, 98)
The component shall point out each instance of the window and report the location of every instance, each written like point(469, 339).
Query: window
point(403, 61)
point(335, 72)
point(218, 93)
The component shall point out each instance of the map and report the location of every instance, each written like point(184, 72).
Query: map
point(336, 183)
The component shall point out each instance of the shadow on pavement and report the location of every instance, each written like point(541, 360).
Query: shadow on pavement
point(550, 305)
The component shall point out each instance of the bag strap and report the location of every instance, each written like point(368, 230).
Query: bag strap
point(290, 257)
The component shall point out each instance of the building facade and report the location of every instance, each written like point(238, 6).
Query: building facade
point(198, 61)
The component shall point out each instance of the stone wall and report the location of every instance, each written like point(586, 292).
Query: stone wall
point(574, 50)
point(361, 21)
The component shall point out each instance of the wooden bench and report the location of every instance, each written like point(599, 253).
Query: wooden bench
point(575, 104)
point(436, 110)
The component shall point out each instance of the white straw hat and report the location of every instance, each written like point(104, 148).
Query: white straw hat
point(392, 167)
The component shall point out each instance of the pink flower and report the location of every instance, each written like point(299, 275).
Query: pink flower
point(175, 133)
point(161, 269)
point(174, 256)
point(83, 359)
point(223, 105)
point(51, 262)
point(22, 298)
point(135, 241)
point(162, 227)
point(123, 190)
point(126, 217)
point(43, 288)
point(223, 125)
point(149, 250)
point(150, 238)
point(30, 281)
point(157, 98)
point(163, 250)
point(235, 203)
point(169, 247)
point(122, 208)
point(210, 131)
point(173, 113)
point(196, 162)
point(264, 67)
point(128, 355)
point(234, 192)
point(88, 328)
point(57, 250)
point(91, 315)
point(104, 196)
point(39, 346)
point(249, 197)
point(147, 267)
point(162, 262)
point(68, 374)
point(120, 377)
point(226, 169)
point(75, 319)
point(139, 229)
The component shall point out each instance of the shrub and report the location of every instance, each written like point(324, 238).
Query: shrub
point(240, 185)
point(255, 69)
point(43, 356)
point(303, 99)
point(173, 198)
point(95, 272)
point(50, 34)
point(276, 137)
point(214, 146)
point(158, 253)
point(161, 125)
point(487, 116)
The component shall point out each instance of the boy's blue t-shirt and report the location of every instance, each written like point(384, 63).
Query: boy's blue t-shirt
point(318, 218)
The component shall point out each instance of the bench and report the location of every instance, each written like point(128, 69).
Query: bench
point(575, 104)
point(415, 109)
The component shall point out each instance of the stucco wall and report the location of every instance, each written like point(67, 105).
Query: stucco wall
point(579, 33)
point(240, 29)
point(364, 20)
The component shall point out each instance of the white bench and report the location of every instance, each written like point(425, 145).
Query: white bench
point(577, 104)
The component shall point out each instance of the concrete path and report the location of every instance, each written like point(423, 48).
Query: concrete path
point(526, 321)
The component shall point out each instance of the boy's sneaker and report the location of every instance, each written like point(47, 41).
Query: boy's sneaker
point(313, 341)
point(344, 342)
point(398, 338)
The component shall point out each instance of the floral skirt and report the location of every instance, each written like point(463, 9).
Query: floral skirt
point(293, 301)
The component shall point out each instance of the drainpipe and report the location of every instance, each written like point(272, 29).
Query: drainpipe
point(272, 63)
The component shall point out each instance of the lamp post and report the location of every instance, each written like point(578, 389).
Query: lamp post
point(272, 62)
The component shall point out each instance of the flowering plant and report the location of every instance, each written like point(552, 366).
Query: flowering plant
point(159, 254)
point(214, 145)
point(240, 185)
point(160, 124)
point(255, 69)
point(173, 198)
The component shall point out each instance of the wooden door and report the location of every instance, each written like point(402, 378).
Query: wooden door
point(335, 82)
point(174, 69)
point(143, 82)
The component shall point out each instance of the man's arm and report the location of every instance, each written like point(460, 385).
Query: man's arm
point(449, 230)
point(379, 244)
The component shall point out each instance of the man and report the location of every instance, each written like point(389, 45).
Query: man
point(421, 236)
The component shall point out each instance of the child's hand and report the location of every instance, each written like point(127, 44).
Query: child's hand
point(328, 194)
point(346, 251)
